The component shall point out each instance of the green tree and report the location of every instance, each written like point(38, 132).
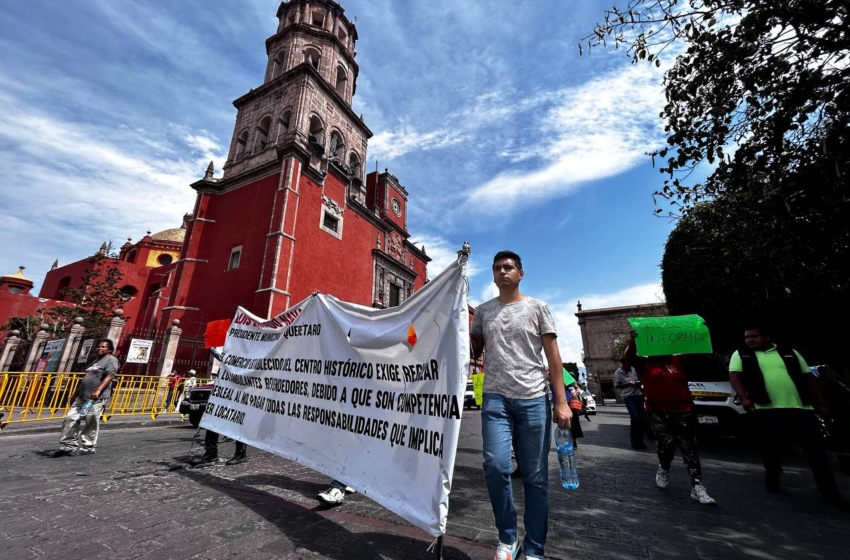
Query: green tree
point(97, 296)
point(734, 266)
point(759, 90)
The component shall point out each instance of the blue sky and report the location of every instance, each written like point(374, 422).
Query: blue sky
point(502, 134)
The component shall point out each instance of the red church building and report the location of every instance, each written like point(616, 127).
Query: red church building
point(293, 212)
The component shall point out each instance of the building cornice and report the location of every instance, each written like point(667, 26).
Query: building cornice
point(307, 70)
point(618, 310)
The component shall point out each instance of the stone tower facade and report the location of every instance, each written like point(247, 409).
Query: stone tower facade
point(304, 103)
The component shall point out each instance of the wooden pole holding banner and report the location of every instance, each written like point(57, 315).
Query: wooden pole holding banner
point(438, 550)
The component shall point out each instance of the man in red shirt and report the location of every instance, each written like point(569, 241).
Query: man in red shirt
point(669, 407)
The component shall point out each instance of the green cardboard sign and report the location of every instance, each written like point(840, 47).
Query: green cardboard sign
point(661, 336)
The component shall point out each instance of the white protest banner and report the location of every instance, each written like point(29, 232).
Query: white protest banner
point(370, 397)
point(139, 351)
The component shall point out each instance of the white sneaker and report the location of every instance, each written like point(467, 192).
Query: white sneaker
point(700, 494)
point(507, 551)
point(332, 496)
point(527, 557)
point(662, 478)
point(350, 490)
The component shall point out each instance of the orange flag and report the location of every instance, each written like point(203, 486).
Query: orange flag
point(216, 332)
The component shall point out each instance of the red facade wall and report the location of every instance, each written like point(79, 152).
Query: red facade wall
point(21, 305)
point(71, 275)
point(241, 217)
point(338, 267)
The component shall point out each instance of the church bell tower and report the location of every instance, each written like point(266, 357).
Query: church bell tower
point(304, 103)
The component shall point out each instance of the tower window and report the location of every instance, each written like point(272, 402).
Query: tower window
point(341, 78)
point(318, 19)
point(355, 167)
point(283, 124)
point(241, 144)
point(312, 56)
point(337, 146)
point(235, 257)
point(262, 134)
point(341, 33)
point(277, 64)
point(316, 138)
point(164, 259)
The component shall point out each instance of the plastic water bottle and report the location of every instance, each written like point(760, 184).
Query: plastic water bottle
point(566, 458)
point(86, 408)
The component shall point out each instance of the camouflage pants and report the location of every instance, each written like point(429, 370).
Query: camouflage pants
point(677, 429)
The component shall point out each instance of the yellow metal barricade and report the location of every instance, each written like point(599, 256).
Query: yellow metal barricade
point(28, 397)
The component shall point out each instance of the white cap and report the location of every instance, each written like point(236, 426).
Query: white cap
point(192, 372)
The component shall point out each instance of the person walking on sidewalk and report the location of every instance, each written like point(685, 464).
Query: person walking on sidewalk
point(775, 385)
point(626, 380)
point(79, 435)
point(669, 405)
point(173, 388)
point(516, 331)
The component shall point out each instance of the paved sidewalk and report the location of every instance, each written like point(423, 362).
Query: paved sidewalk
point(129, 421)
point(136, 499)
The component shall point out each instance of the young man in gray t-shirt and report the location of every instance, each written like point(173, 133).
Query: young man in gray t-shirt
point(517, 331)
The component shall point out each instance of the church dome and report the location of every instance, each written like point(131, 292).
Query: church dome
point(19, 276)
point(173, 234)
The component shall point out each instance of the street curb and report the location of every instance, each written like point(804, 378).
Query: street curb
point(54, 425)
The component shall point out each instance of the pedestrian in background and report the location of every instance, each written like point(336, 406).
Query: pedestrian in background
point(576, 404)
point(79, 435)
point(626, 380)
point(669, 405)
point(775, 384)
point(173, 387)
point(190, 383)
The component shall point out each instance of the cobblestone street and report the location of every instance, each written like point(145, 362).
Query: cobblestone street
point(136, 499)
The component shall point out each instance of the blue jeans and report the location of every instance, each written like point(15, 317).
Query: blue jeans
point(637, 414)
point(532, 421)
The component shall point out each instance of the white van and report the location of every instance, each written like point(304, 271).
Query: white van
point(716, 405)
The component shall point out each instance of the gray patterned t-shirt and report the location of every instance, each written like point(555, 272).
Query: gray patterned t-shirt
point(513, 346)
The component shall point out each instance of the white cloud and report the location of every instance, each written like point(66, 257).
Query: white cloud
point(596, 130)
point(569, 333)
point(203, 144)
point(443, 253)
point(83, 184)
point(388, 145)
